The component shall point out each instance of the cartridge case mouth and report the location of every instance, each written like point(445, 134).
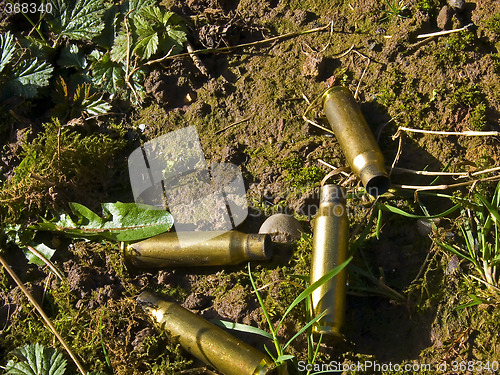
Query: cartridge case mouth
point(356, 139)
point(259, 246)
point(375, 184)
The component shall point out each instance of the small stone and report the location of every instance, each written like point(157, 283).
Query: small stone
point(313, 65)
point(425, 226)
point(457, 4)
point(453, 265)
point(444, 17)
point(282, 228)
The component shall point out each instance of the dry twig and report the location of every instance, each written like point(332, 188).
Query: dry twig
point(42, 313)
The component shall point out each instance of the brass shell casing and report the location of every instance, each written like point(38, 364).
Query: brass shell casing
point(330, 243)
point(224, 248)
point(204, 340)
point(356, 139)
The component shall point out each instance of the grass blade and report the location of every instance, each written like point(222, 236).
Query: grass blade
point(493, 212)
point(303, 329)
point(266, 314)
point(241, 328)
point(379, 224)
point(412, 216)
point(330, 274)
point(455, 251)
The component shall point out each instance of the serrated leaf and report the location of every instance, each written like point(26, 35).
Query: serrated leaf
point(71, 56)
point(109, 75)
point(119, 49)
point(86, 102)
point(34, 359)
point(147, 45)
point(78, 20)
point(36, 48)
point(173, 39)
point(120, 222)
point(28, 76)
point(136, 5)
point(7, 48)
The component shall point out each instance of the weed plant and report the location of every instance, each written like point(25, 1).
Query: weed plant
point(481, 242)
point(280, 356)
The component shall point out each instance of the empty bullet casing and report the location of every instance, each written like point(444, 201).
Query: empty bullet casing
point(356, 139)
point(204, 340)
point(223, 248)
point(330, 242)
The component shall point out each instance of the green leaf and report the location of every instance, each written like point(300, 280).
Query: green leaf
point(241, 328)
point(34, 359)
point(492, 210)
point(7, 48)
point(120, 222)
point(311, 288)
point(78, 20)
point(284, 357)
point(173, 39)
point(43, 249)
point(28, 76)
point(148, 39)
point(133, 6)
point(119, 49)
point(109, 75)
point(86, 102)
point(303, 329)
point(71, 56)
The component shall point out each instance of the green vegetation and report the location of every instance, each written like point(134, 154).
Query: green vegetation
point(58, 159)
point(114, 63)
point(428, 6)
point(455, 48)
point(394, 9)
point(299, 175)
point(493, 23)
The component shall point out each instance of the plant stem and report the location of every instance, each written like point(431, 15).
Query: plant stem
point(42, 313)
point(251, 44)
point(465, 133)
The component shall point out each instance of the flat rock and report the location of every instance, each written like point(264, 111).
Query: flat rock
point(282, 228)
point(444, 17)
point(457, 4)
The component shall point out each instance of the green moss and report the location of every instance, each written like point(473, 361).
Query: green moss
point(428, 6)
point(493, 23)
point(477, 119)
point(299, 175)
point(455, 48)
point(61, 160)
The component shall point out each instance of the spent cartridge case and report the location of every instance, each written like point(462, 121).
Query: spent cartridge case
point(221, 248)
point(330, 242)
point(356, 139)
point(204, 340)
